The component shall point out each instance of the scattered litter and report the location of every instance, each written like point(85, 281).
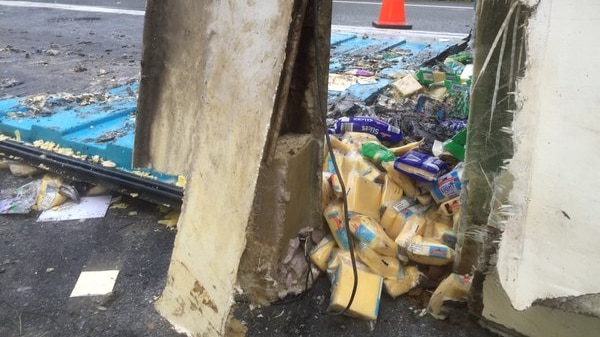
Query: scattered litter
point(95, 283)
point(49, 270)
point(132, 213)
point(454, 288)
point(119, 205)
point(49, 195)
point(19, 200)
point(170, 220)
point(87, 208)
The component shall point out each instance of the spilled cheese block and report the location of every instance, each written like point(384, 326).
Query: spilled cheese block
point(368, 293)
point(343, 147)
point(391, 193)
point(406, 183)
point(356, 139)
point(403, 203)
point(385, 266)
point(328, 163)
point(390, 223)
point(450, 207)
point(368, 231)
point(415, 225)
point(334, 184)
point(430, 252)
point(403, 282)
point(355, 162)
point(334, 215)
point(409, 212)
point(455, 287)
point(444, 234)
point(363, 196)
point(321, 252)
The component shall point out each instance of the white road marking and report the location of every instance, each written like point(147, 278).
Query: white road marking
point(397, 33)
point(78, 8)
point(406, 5)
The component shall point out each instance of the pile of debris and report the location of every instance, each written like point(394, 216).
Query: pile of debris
point(391, 188)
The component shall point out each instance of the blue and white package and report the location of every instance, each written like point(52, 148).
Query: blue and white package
point(380, 129)
point(420, 166)
point(448, 186)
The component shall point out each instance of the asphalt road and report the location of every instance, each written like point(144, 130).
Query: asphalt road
point(454, 17)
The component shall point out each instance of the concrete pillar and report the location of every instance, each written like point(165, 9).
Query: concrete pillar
point(217, 81)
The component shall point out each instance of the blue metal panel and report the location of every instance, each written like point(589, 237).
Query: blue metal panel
point(107, 128)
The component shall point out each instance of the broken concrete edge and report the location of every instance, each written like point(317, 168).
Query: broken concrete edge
point(489, 183)
point(488, 143)
point(286, 200)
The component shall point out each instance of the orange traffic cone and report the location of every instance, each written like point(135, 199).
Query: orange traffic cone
point(392, 15)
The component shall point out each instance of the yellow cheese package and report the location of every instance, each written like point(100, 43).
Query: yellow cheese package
point(343, 147)
point(406, 183)
point(368, 293)
point(409, 212)
point(355, 162)
point(429, 252)
point(356, 139)
point(414, 226)
point(390, 223)
point(368, 231)
point(386, 266)
point(321, 253)
point(391, 193)
point(328, 163)
point(334, 215)
point(407, 279)
point(403, 203)
point(363, 196)
point(49, 195)
point(444, 234)
point(455, 287)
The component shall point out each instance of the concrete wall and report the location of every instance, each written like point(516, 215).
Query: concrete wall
point(529, 225)
point(549, 247)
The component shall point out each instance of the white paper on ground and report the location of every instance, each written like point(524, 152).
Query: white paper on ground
point(94, 283)
point(88, 208)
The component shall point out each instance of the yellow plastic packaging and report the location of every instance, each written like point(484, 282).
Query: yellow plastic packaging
point(363, 196)
point(368, 293)
point(48, 196)
point(322, 252)
point(403, 282)
point(390, 192)
point(334, 215)
point(406, 183)
point(455, 287)
point(415, 225)
point(444, 234)
point(355, 139)
point(385, 266)
point(367, 230)
point(429, 252)
point(355, 162)
point(390, 223)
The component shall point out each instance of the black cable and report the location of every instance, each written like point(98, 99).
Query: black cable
point(333, 160)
